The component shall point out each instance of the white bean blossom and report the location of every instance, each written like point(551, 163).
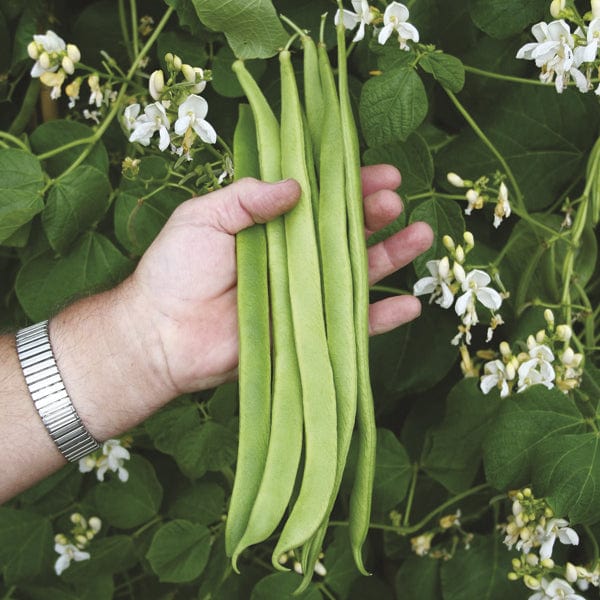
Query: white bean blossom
point(68, 553)
point(191, 115)
point(146, 125)
point(395, 19)
point(557, 589)
point(40, 50)
point(113, 459)
point(555, 528)
point(361, 17)
point(497, 375)
point(437, 284)
point(475, 287)
point(538, 369)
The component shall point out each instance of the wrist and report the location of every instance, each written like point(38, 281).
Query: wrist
point(104, 351)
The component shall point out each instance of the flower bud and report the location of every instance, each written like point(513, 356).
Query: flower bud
point(595, 9)
point(189, 73)
point(156, 84)
point(460, 254)
point(448, 242)
point(531, 342)
point(81, 541)
point(532, 559)
point(33, 50)
point(469, 239)
point(527, 493)
point(472, 196)
point(320, 569)
point(444, 268)
point(459, 272)
point(67, 65)
point(76, 518)
point(547, 563)
point(531, 582)
point(455, 180)
point(44, 60)
point(95, 524)
point(504, 349)
point(512, 576)
point(177, 63)
point(570, 573)
point(516, 563)
point(557, 7)
point(61, 538)
point(540, 336)
point(564, 333)
point(567, 356)
point(511, 373)
point(169, 59)
point(73, 53)
point(549, 316)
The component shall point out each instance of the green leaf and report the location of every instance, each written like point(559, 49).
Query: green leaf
point(5, 48)
point(412, 157)
point(393, 472)
point(108, 555)
point(131, 503)
point(224, 80)
point(211, 447)
point(251, 27)
point(223, 403)
point(446, 69)
point(54, 134)
point(186, 14)
point(74, 204)
point(182, 44)
point(445, 218)
point(479, 572)
point(26, 544)
point(202, 503)
point(567, 472)
point(46, 282)
point(216, 571)
point(454, 450)
point(179, 551)
point(392, 106)
point(21, 183)
point(167, 426)
point(544, 137)
point(281, 586)
point(506, 18)
point(524, 422)
point(404, 360)
point(418, 577)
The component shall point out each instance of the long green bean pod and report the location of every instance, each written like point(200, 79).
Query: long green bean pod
point(318, 391)
point(313, 95)
point(337, 287)
point(254, 345)
point(285, 443)
point(360, 499)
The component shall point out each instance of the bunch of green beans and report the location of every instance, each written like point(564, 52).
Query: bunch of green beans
point(303, 319)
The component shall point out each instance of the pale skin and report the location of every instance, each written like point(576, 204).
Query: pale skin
point(171, 327)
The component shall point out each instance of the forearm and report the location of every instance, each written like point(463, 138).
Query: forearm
point(108, 368)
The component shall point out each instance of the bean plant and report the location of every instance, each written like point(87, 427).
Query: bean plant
point(487, 472)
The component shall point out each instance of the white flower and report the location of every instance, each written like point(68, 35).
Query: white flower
point(555, 528)
point(553, 52)
point(474, 287)
point(68, 552)
point(495, 375)
point(394, 19)
point(92, 115)
point(154, 119)
point(438, 284)
point(557, 589)
point(538, 369)
point(114, 458)
point(474, 200)
point(156, 84)
point(96, 95)
point(502, 209)
point(46, 45)
point(362, 17)
point(191, 114)
point(130, 114)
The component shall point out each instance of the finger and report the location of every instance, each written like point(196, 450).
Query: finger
point(379, 177)
point(398, 250)
point(381, 208)
point(390, 313)
point(244, 203)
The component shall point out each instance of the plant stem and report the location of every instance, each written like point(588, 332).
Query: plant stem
point(15, 140)
point(481, 135)
point(389, 290)
point(9, 593)
point(594, 543)
point(145, 526)
point(411, 494)
point(134, 27)
point(125, 30)
point(29, 101)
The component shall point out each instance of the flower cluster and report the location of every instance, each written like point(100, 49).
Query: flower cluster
point(394, 21)
point(449, 534)
point(319, 566)
point(72, 547)
point(111, 457)
point(478, 195)
point(175, 99)
point(548, 360)
point(469, 287)
point(533, 529)
point(563, 55)
point(54, 60)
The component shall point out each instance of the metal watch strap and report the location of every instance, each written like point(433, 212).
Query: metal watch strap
point(49, 395)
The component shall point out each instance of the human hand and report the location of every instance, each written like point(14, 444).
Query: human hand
point(185, 284)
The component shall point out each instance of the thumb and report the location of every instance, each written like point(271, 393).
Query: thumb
point(249, 201)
